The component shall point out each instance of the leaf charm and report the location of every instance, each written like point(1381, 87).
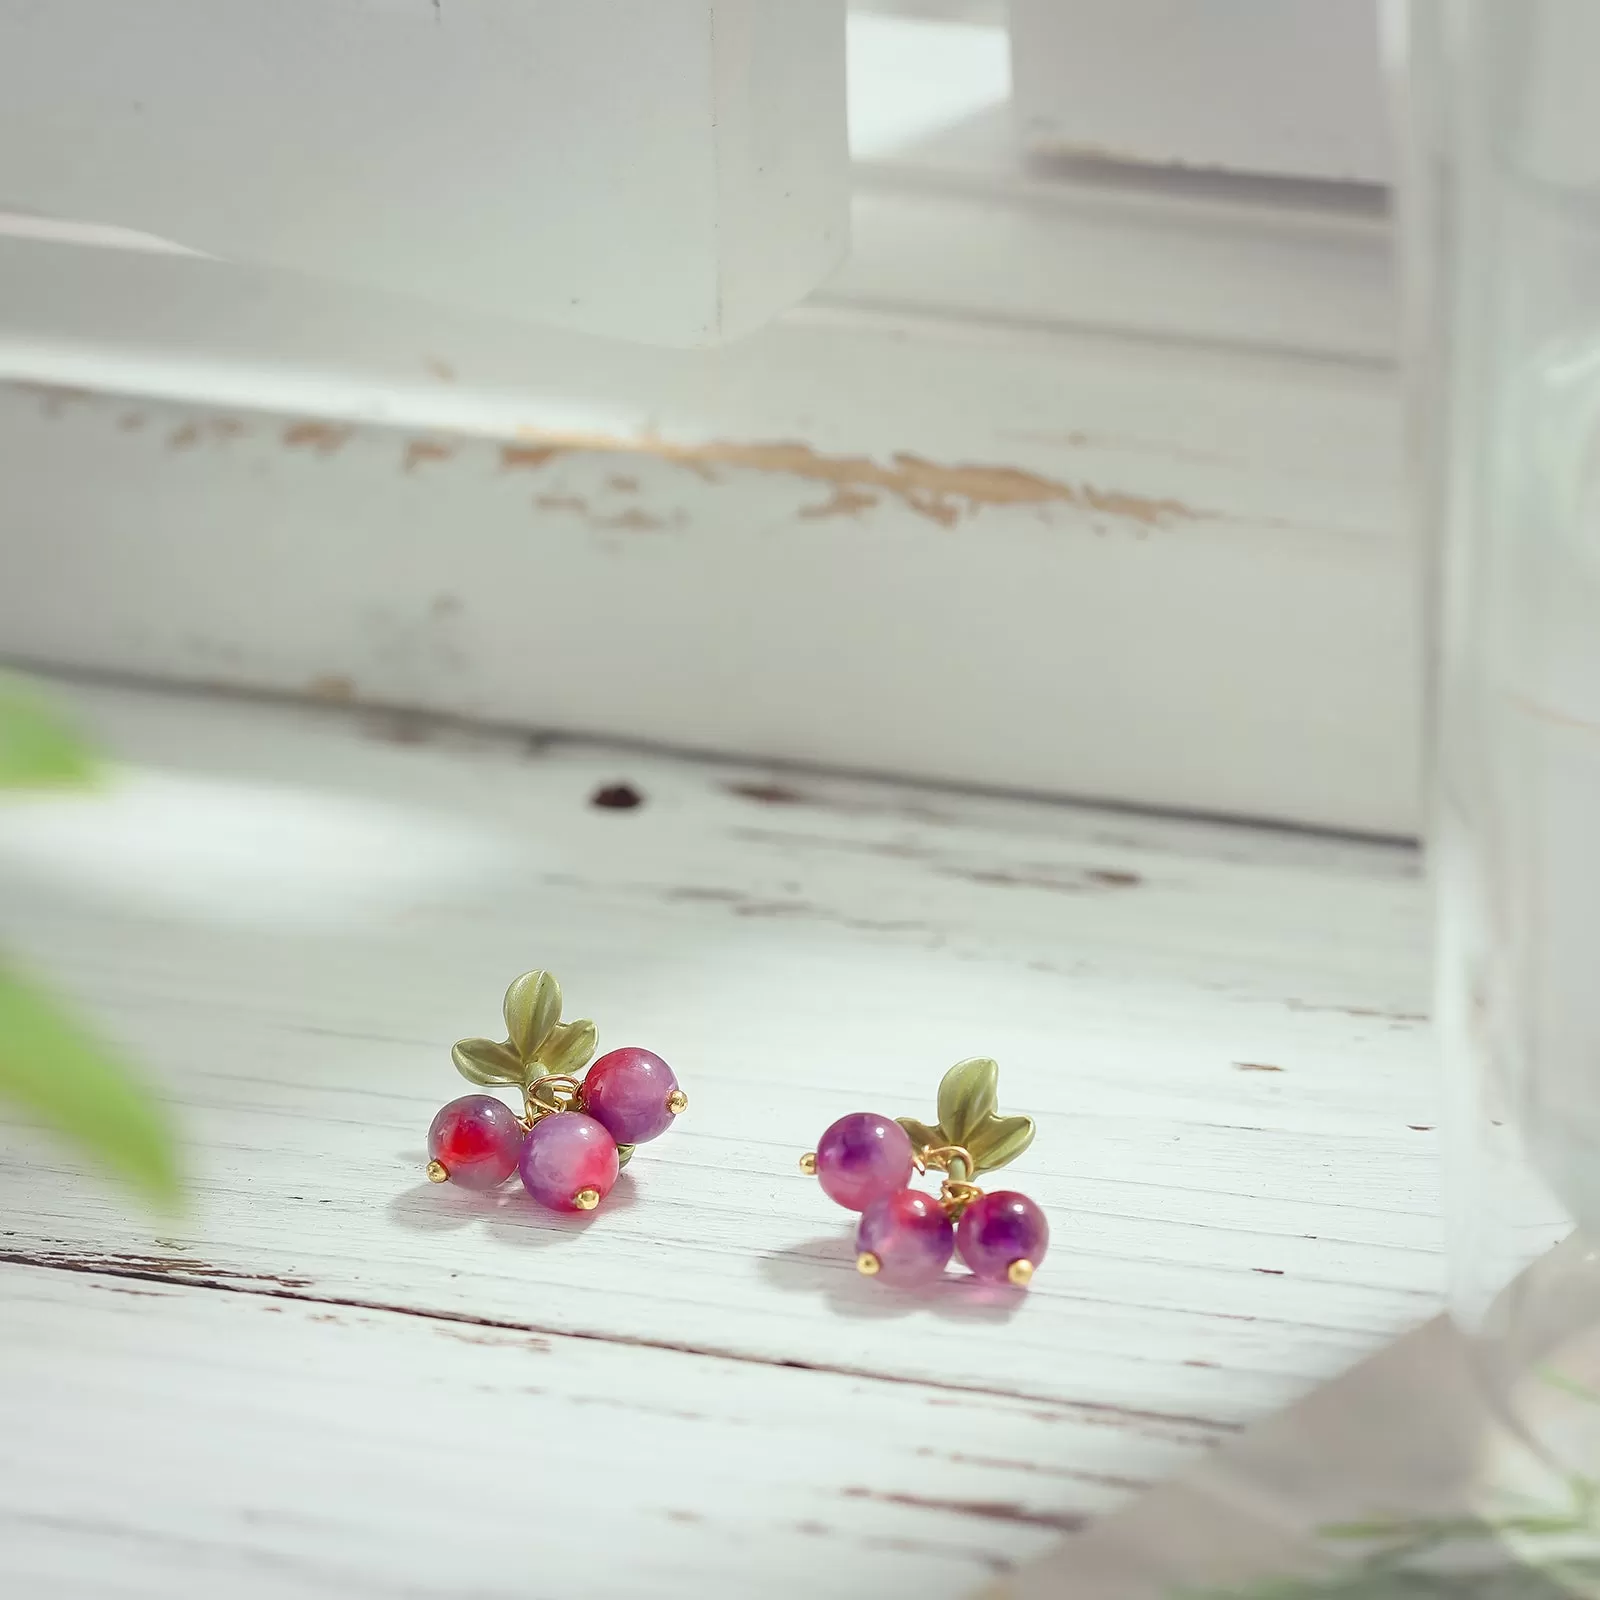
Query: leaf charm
point(484, 1062)
point(923, 1138)
point(567, 1048)
point(532, 1008)
point(1000, 1140)
point(967, 1117)
point(967, 1098)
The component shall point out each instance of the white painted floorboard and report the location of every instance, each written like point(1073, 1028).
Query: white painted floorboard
point(329, 1378)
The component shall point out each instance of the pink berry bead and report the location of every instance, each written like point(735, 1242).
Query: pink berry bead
point(863, 1157)
point(569, 1162)
point(1003, 1237)
point(633, 1094)
point(904, 1238)
point(474, 1141)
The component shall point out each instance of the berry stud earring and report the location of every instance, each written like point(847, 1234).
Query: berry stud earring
point(575, 1134)
point(907, 1236)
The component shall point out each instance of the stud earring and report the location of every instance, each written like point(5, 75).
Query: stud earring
point(575, 1134)
point(906, 1236)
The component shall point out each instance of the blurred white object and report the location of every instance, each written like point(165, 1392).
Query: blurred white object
point(1506, 235)
point(916, 79)
point(1289, 88)
point(673, 171)
point(227, 850)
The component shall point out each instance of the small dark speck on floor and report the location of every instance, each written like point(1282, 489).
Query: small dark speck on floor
point(1271, 1272)
point(768, 794)
point(1420, 1127)
point(616, 797)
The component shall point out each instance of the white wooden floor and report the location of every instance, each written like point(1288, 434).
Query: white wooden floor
point(330, 1378)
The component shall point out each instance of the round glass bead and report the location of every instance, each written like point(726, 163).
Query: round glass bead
point(863, 1157)
point(564, 1154)
point(627, 1092)
point(999, 1230)
point(909, 1235)
point(476, 1139)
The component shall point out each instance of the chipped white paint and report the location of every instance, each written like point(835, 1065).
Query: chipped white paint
point(332, 1377)
point(1037, 562)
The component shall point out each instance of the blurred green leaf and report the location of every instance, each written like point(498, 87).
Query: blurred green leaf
point(38, 747)
point(1559, 1380)
point(79, 1086)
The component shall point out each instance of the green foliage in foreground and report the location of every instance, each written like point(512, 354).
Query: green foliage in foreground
point(50, 1064)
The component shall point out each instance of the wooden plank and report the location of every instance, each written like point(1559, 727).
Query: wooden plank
point(294, 923)
point(1179, 573)
point(267, 1445)
point(327, 1375)
point(517, 160)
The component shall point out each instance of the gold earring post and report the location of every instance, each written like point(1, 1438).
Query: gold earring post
point(586, 1199)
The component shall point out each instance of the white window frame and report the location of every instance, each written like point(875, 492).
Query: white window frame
point(1082, 482)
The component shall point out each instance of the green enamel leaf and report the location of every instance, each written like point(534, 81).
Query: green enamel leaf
point(923, 1138)
point(60, 1072)
point(568, 1047)
point(625, 1154)
point(533, 1008)
point(999, 1140)
point(485, 1062)
point(38, 749)
point(967, 1097)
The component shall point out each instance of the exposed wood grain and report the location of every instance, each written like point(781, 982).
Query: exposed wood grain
point(291, 921)
point(342, 1451)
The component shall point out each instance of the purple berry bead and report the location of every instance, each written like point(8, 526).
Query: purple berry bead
point(474, 1141)
point(862, 1158)
point(569, 1162)
point(633, 1094)
point(1003, 1237)
point(904, 1238)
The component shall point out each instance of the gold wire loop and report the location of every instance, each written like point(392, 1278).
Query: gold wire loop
point(943, 1157)
point(556, 1092)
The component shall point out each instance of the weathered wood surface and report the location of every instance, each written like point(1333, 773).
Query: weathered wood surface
point(328, 1377)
